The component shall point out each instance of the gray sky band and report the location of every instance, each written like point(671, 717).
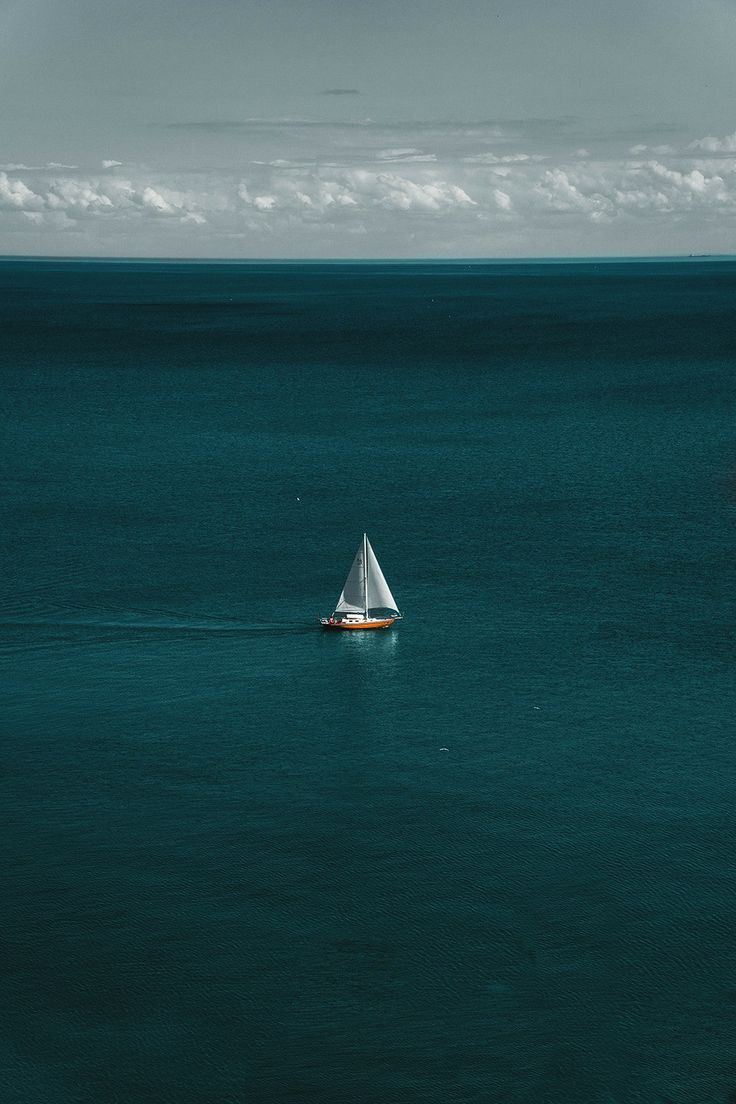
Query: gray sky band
point(343, 129)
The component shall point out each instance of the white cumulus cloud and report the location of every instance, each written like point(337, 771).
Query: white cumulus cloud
point(567, 191)
point(15, 194)
point(391, 198)
point(71, 195)
point(710, 144)
point(156, 202)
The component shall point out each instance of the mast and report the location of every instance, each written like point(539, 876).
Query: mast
point(365, 575)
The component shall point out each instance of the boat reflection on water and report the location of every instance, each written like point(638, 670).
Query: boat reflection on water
point(369, 663)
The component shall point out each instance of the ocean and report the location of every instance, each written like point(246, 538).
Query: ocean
point(486, 857)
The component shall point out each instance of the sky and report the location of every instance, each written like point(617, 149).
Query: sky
point(339, 128)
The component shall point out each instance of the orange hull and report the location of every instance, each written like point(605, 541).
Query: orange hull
point(383, 623)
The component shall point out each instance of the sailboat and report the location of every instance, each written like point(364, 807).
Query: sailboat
point(366, 601)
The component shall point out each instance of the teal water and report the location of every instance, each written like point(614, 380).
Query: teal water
point(238, 864)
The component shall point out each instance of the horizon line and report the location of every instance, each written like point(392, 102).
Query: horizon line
point(545, 259)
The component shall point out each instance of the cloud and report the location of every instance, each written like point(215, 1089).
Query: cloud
point(394, 154)
point(710, 144)
point(404, 194)
point(325, 191)
point(16, 195)
point(565, 191)
point(20, 167)
point(593, 191)
point(330, 194)
point(364, 189)
point(306, 193)
point(603, 193)
point(386, 198)
point(155, 201)
point(77, 195)
point(80, 199)
point(660, 150)
point(499, 128)
point(230, 125)
point(410, 155)
point(263, 202)
point(503, 159)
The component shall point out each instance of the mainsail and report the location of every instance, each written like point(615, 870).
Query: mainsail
point(379, 594)
point(365, 587)
point(352, 599)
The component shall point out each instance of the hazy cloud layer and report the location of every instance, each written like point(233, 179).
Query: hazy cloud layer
point(443, 191)
point(421, 128)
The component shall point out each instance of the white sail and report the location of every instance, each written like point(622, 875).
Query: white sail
point(352, 599)
point(359, 596)
point(379, 594)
